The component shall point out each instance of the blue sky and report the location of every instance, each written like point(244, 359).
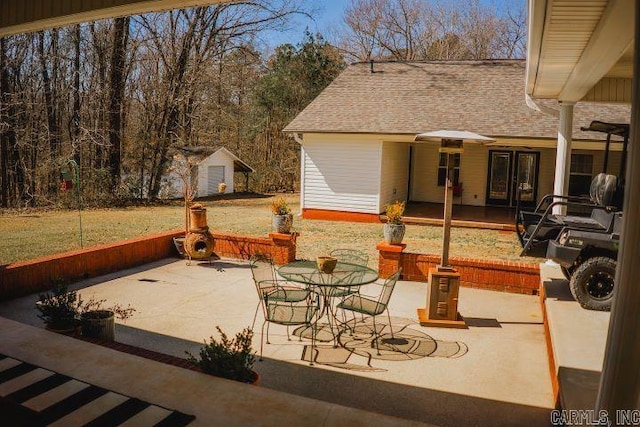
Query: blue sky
point(328, 13)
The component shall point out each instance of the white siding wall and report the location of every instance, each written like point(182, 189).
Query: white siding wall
point(546, 172)
point(219, 158)
point(395, 172)
point(342, 174)
point(473, 174)
point(424, 176)
point(358, 173)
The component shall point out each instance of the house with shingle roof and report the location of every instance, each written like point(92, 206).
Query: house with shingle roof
point(357, 136)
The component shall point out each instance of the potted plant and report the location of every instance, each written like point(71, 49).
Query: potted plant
point(64, 311)
point(99, 322)
point(282, 217)
point(59, 309)
point(228, 358)
point(394, 228)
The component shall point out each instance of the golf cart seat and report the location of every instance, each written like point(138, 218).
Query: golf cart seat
point(536, 228)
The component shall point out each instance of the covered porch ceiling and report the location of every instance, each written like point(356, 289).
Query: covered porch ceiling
point(32, 15)
point(580, 50)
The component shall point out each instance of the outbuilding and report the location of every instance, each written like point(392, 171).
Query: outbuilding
point(209, 167)
point(357, 138)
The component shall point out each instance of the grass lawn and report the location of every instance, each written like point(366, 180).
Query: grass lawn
point(34, 234)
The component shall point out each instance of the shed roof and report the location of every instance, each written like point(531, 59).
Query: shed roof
point(486, 97)
point(200, 153)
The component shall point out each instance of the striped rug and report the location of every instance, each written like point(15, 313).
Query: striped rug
point(33, 396)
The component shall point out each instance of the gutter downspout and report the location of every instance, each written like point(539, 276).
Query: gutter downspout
point(531, 103)
point(299, 139)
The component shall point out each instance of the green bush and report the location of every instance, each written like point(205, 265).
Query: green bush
point(228, 358)
point(59, 308)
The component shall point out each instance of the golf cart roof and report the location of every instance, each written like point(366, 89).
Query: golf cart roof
point(620, 129)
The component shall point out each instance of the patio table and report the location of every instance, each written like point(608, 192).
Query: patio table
point(344, 275)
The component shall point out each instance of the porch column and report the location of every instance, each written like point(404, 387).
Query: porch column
point(563, 154)
point(620, 382)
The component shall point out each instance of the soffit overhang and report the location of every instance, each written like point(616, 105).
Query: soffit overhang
point(33, 15)
point(580, 50)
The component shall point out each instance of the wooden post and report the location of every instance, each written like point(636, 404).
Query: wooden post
point(448, 207)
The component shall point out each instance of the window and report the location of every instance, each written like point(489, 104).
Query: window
point(581, 174)
point(442, 169)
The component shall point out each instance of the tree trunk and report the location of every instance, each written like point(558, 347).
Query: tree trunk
point(4, 128)
point(116, 92)
point(75, 116)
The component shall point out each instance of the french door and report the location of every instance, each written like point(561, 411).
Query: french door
point(509, 171)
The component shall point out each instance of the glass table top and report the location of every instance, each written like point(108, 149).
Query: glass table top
point(344, 274)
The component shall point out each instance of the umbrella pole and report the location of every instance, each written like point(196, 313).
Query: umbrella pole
point(448, 207)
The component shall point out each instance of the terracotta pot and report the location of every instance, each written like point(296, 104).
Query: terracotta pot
point(71, 331)
point(256, 380)
point(255, 377)
point(326, 264)
point(199, 245)
point(198, 218)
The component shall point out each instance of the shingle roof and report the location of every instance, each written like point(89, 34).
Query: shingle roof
point(201, 152)
point(485, 97)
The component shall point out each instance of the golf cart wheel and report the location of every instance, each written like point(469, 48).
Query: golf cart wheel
point(592, 283)
point(567, 272)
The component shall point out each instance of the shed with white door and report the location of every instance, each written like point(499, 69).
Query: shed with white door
point(212, 166)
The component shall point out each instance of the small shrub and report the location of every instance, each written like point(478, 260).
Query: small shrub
point(394, 212)
point(228, 358)
point(92, 308)
point(60, 307)
point(279, 207)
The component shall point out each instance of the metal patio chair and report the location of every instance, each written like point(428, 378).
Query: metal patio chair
point(267, 283)
point(351, 256)
point(300, 313)
point(373, 306)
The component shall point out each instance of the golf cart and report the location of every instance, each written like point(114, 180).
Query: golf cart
point(585, 246)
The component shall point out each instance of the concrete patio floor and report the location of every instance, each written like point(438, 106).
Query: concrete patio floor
point(502, 379)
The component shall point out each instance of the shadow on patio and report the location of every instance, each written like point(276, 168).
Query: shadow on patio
point(503, 379)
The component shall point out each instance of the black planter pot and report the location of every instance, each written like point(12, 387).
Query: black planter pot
point(179, 244)
point(99, 324)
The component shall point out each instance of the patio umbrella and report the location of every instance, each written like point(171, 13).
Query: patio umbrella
point(451, 142)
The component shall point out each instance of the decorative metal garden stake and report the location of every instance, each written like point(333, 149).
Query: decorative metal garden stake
point(442, 298)
point(70, 172)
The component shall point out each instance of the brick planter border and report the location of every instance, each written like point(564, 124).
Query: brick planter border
point(36, 275)
point(505, 276)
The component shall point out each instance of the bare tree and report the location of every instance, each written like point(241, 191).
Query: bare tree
point(417, 29)
point(117, 97)
point(117, 78)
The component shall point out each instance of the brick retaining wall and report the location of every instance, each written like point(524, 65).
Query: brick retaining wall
point(281, 247)
point(36, 275)
point(505, 276)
